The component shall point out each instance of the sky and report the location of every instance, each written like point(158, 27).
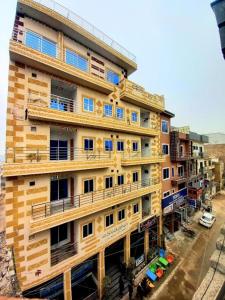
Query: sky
point(177, 47)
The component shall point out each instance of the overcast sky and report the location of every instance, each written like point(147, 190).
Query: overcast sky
point(177, 48)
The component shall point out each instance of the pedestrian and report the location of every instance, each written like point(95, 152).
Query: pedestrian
point(130, 289)
point(121, 285)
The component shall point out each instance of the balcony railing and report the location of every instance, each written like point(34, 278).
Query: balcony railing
point(63, 252)
point(46, 209)
point(139, 154)
point(54, 154)
point(70, 15)
point(71, 105)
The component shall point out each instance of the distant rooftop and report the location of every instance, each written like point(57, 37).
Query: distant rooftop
point(72, 16)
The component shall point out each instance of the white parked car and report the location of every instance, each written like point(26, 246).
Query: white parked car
point(207, 219)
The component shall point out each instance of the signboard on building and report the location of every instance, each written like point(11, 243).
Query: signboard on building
point(174, 201)
point(147, 224)
point(139, 260)
point(192, 203)
point(111, 233)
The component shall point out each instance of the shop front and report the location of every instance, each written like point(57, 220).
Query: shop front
point(174, 209)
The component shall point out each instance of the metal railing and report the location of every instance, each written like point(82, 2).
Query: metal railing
point(70, 15)
point(63, 252)
point(32, 155)
point(139, 154)
point(46, 209)
point(71, 105)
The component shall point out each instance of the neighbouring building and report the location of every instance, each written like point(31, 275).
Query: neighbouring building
point(200, 185)
point(83, 163)
point(218, 8)
point(175, 148)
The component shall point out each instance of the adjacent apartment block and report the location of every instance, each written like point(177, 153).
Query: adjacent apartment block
point(83, 163)
point(175, 148)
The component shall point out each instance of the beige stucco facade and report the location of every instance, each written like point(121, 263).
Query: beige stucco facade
point(32, 123)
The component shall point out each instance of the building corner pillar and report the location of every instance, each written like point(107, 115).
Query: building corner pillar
point(146, 243)
point(127, 249)
point(101, 272)
point(67, 285)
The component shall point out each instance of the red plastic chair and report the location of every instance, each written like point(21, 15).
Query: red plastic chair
point(170, 258)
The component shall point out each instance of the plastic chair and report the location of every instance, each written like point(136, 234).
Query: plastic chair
point(151, 275)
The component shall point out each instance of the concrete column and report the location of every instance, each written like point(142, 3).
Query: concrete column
point(127, 249)
point(61, 45)
point(146, 243)
point(101, 272)
point(67, 285)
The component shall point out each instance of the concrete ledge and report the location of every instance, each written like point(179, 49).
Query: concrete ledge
point(217, 261)
point(207, 289)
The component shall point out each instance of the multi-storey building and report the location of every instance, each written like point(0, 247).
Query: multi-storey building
point(83, 164)
point(175, 148)
point(218, 7)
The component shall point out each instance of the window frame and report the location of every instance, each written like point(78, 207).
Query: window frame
point(105, 148)
point(122, 109)
point(167, 168)
point(168, 194)
point(88, 234)
point(93, 102)
point(104, 110)
point(88, 139)
point(135, 208)
point(137, 177)
point(109, 216)
point(120, 176)
point(117, 143)
point(136, 119)
point(167, 122)
point(119, 215)
point(135, 142)
point(111, 179)
point(168, 148)
point(88, 179)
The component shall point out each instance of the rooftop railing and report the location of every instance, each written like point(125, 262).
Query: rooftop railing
point(91, 29)
point(47, 209)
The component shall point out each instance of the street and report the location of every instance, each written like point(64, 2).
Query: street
point(194, 254)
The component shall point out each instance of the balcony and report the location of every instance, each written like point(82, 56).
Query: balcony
point(63, 252)
point(179, 157)
point(65, 210)
point(35, 160)
point(135, 94)
point(61, 19)
point(46, 56)
point(68, 111)
point(138, 158)
point(178, 179)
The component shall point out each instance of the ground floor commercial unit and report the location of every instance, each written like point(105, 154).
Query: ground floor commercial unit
point(130, 243)
point(175, 210)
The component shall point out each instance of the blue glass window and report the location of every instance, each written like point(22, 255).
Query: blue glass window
point(120, 146)
point(165, 149)
point(165, 127)
point(88, 144)
point(113, 77)
point(37, 42)
point(119, 113)
point(76, 60)
point(108, 110)
point(134, 116)
point(108, 145)
point(135, 146)
point(88, 104)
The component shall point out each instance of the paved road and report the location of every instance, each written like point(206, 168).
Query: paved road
point(184, 282)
